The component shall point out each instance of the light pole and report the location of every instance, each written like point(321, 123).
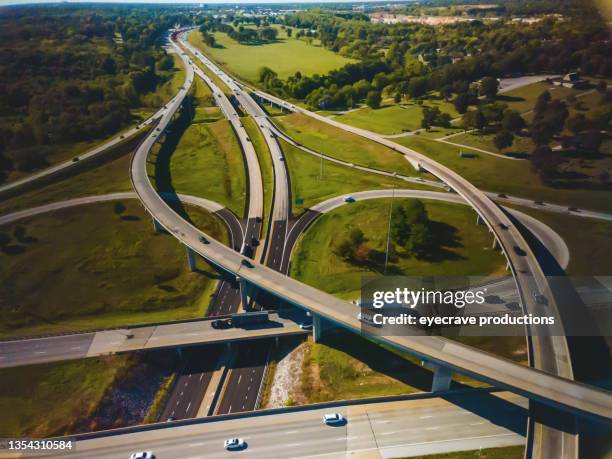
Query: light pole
point(389, 227)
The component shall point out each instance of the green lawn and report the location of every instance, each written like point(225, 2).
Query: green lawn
point(286, 56)
point(465, 249)
point(393, 119)
point(512, 177)
point(43, 400)
point(520, 146)
point(343, 145)
point(523, 99)
point(507, 452)
point(100, 269)
point(202, 160)
point(346, 366)
point(265, 164)
point(585, 238)
point(305, 172)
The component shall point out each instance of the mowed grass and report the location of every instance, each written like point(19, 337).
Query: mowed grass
point(393, 119)
point(337, 143)
point(522, 145)
point(265, 164)
point(202, 160)
point(308, 184)
point(507, 176)
point(285, 56)
point(464, 248)
point(506, 452)
point(523, 99)
point(91, 266)
point(586, 238)
point(47, 399)
point(345, 366)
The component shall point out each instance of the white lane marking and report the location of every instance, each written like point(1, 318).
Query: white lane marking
point(426, 417)
point(432, 428)
point(477, 423)
point(196, 444)
point(291, 432)
point(389, 433)
point(187, 409)
point(40, 352)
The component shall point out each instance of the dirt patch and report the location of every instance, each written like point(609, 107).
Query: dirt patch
point(286, 384)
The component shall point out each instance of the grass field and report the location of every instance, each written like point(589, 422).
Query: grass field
point(305, 170)
point(47, 399)
point(465, 249)
point(345, 366)
point(343, 145)
point(265, 164)
point(585, 238)
point(507, 452)
point(393, 119)
point(523, 99)
point(101, 268)
point(202, 160)
point(244, 60)
point(521, 146)
point(507, 176)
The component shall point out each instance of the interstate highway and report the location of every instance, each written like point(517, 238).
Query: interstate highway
point(533, 383)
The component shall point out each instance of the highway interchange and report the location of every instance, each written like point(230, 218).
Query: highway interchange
point(550, 354)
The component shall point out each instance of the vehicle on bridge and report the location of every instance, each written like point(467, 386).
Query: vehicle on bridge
point(241, 319)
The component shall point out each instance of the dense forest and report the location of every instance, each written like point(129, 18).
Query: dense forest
point(70, 74)
point(409, 59)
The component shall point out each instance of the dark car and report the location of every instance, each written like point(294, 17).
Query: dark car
point(502, 195)
point(573, 209)
point(221, 324)
point(519, 251)
point(539, 298)
point(247, 263)
point(203, 240)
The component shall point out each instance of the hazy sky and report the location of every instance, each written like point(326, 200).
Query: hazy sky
point(23, 2)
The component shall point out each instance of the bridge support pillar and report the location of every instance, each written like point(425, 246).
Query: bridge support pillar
point(191, 262)
point(244, 297)
point(441, 377)
point(317, 328)
point(156, 226)
point(496, 245)
point(179, 351)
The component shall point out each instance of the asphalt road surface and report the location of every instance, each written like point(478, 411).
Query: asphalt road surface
point(392, 429)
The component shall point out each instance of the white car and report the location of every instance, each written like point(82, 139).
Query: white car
point(333, 419)
point(234, 443)
point(143, 455)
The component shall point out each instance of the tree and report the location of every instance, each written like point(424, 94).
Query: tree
point(119, 208)
point(602, 87)
point(474, 119)
point(503, 139)
point(577, 123)
point(488, 87)
point(420, 241)
point(446, 92)
point(373, 99)
point(356, 237)
point(289, 32)
point(404, 216)
point(397, 98)
point(344, 250)
point(462, 102)
point(545, 162)
point(265, 74)
point(541, 103)
point(512, 121)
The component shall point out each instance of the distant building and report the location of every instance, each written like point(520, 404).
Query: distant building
point(572, 80)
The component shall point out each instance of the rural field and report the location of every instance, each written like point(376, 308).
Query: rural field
point(464, 248)
point(115, 270)
point(244, 60)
